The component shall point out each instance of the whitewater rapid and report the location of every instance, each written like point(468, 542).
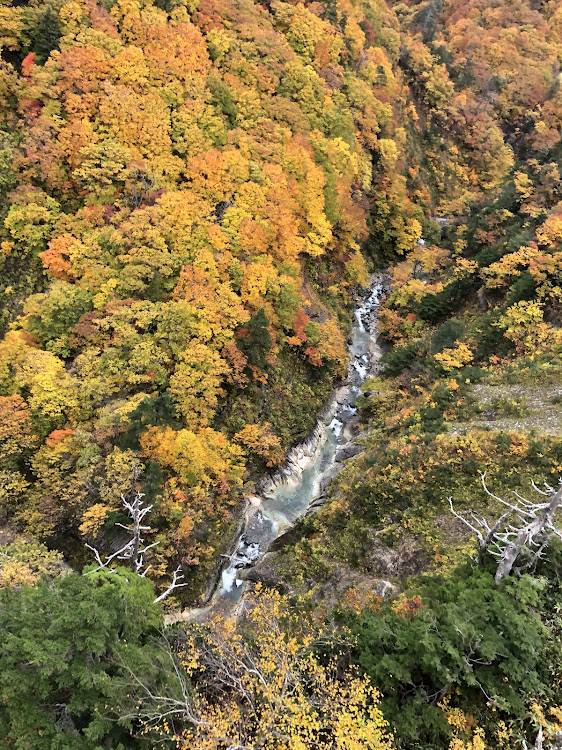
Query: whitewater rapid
point(301, 482)
point(299, 486)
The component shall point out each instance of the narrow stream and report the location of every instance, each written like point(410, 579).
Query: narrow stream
point(301, 482)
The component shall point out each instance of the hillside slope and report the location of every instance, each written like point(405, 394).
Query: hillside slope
point(192, 193)
point(184, 193)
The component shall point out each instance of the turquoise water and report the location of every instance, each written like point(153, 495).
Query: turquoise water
point(290, 500)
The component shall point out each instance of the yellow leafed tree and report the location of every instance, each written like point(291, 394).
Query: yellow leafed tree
point(257, 683)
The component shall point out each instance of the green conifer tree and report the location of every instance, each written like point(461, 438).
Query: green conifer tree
point(47, 34)
point(66, 648)
point(258, 342)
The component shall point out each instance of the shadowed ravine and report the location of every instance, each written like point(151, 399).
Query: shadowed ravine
point(299, 485)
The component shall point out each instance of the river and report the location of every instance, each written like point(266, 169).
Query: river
point(299, 486)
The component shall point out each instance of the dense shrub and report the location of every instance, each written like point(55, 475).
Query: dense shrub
point(435, 307)
point(523, 289)
point(481, 646)
point(400, 358)
point(446, 335)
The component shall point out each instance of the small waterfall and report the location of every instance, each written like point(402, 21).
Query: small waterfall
point(300, 483)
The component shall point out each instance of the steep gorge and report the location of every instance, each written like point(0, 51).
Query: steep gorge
point(194, 198)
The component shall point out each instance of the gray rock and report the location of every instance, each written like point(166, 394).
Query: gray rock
point(316, 503)
point(258, 532)
point(482, 299)
point(342, 395)
point(352, 428)
point(267, 576)
point(348, 451)
point(325, 481)
point(405, 559)
point(384, 588)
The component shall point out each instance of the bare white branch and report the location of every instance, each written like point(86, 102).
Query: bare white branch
point(531, 535)
point(134, 551)
point(175, 584)
point(476, 531)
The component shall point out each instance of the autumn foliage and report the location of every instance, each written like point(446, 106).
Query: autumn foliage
point(188, 186)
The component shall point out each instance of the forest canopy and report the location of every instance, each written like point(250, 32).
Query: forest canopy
point(185, 190)
point(195, 196)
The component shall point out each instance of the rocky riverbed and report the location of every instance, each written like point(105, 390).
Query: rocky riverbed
point(299, 486)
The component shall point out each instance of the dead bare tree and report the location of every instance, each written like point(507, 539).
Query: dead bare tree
point(133, 552)
point(528, 537)
point(538, 742)
point(556, 741)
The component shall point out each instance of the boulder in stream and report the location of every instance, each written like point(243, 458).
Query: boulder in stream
point(264, 575)
point(348, 451)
